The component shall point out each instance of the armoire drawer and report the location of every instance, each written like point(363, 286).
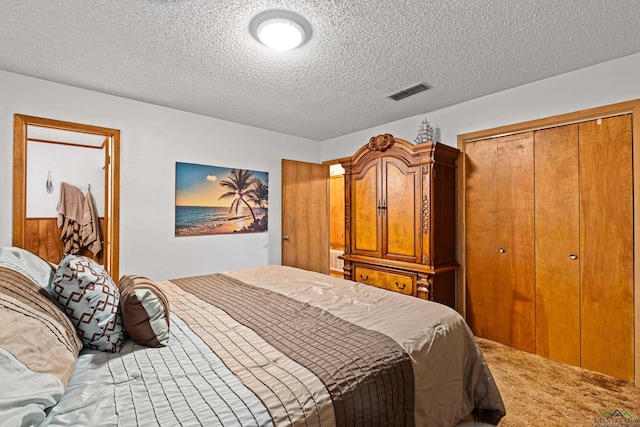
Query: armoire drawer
point(396, 281)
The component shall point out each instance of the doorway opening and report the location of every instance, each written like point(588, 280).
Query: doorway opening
point(336, 219)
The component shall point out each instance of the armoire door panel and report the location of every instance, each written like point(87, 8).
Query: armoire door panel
point(481, 219)
point(366, 219)
point(514, 246)
point(557, 244)
point(606, 217)
point(400, 213)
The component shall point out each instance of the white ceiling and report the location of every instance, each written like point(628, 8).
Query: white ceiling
point(198, 55)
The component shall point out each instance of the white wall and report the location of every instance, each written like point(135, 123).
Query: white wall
point(595, 86)
point(79, 166)
point(153, 139)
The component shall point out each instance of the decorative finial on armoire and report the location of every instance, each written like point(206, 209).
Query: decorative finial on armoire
point(425, 132)
point(380, 142)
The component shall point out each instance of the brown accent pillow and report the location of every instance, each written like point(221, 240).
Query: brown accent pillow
point(145, 311)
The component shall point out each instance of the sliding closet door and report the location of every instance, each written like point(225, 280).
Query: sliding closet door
point(500, 232)
point(606, 235)
point(557, 244)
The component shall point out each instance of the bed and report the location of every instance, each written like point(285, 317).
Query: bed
point(265, 346)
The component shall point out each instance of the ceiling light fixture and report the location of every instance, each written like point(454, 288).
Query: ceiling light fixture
point(280, 29)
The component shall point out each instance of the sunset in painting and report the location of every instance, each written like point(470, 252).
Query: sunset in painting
point(218, 200)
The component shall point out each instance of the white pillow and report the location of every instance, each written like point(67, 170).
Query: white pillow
point(28, 264)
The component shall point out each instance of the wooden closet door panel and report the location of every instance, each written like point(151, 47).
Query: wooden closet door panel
point(401, 215)
point(514, 246)
point(481, 224)
point(557, 238)
point(606, 238)
point(365, 198)
point(500, 230)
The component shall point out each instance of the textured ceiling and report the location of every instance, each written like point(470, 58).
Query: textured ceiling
point(198, 55)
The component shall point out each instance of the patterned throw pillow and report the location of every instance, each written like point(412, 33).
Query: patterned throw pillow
point(145, 311)
point(90, 299)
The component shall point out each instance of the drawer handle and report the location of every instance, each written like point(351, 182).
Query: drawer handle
point(364, 278)
point(404, 285)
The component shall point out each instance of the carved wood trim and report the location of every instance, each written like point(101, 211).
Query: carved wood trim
point(347, 215)
point(424, 287)
point(426, 215)
point(380, 142)
point(347, 270)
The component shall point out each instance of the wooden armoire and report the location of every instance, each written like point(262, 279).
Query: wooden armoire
point(400, 217)
point(549, 242)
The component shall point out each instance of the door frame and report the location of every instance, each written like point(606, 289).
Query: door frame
point(629, 107)
point(111, 232)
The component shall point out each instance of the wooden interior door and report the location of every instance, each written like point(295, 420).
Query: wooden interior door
point(401, 211)
point(557, 244)
point(365, 212)
point(606, 242)
point(499, 238)
point(305, 215)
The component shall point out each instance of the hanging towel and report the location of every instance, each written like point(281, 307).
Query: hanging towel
point(70, 237)
point(70, 217)
point(90, 232)
point(70, 204)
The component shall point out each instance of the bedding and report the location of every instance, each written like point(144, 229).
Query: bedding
point(38, 349)
point(277, 346)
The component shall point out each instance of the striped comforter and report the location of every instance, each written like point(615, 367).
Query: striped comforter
point(280, 346)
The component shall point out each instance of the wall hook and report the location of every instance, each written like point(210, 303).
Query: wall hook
point(49, 183)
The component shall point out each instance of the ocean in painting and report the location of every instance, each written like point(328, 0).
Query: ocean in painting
point(197, 220)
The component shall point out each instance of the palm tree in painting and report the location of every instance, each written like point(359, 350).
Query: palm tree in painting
point(239, 183)
point(259, 194)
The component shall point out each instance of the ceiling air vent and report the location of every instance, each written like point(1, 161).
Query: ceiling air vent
point(421, 87)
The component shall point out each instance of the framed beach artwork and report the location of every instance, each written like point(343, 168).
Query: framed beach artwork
point(219, 200)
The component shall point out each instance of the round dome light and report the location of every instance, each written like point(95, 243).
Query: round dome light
point(280, 34)
point(280, 29)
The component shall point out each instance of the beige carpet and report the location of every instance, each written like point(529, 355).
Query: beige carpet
point(541, 392)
